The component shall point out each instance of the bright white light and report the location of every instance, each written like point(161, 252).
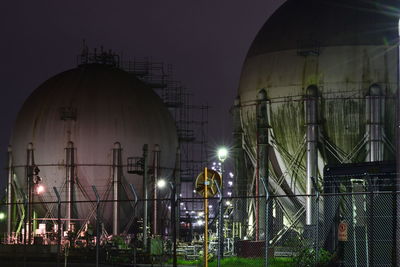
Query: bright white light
point(169, 207)
point(210, 206)
point(192, 212)
point(200, 213)
point(229, 193)
point(228, 203)
point(40, 189)
point(180, 195)
point(214, 163)
point(194, 191)
point(200, 222)
point(230, 183)
point(161, 183)
point(182, 204)
point(231, 174)
point(222, 154)
point(2, 216)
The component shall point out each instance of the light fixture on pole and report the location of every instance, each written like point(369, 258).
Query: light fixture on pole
point(161, 183)
point(222, 155)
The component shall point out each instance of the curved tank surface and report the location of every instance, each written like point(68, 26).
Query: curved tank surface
point(96, 110)
point(336, 60)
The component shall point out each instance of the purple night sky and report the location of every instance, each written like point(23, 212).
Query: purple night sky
point(205, 41)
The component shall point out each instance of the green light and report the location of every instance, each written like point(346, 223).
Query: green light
point(2, 216)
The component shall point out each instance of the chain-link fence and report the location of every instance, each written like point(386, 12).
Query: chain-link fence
point(353, 224)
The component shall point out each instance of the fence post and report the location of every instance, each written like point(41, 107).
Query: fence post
point(25, 230)
point(316, 220)
point(220, 236)
point(266, 220)
point(97, 224)
point(134, 214)
point(58, 225)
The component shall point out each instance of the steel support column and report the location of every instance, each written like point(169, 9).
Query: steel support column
point(117, 165)
point(375, 117)
point(262, 158)
point(177, 186)
point(70, 175)
point(156, 166)
point(30, 162)
point(240, 178)
point(311, 107)
point(145, 194)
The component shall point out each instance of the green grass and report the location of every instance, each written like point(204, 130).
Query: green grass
point(236, 261)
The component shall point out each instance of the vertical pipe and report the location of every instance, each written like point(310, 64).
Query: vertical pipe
point(375, 117)
point(262, 148)
point(116, 181)
point(70, 175)
point(9, 194)
point(29, 171)
point(145, 194)
point(311, 139)
point(156, 166)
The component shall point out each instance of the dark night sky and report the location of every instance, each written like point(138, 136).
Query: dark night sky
point(206, 42)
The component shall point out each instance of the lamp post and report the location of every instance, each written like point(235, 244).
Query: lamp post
point(222, 155)
point(161, 184)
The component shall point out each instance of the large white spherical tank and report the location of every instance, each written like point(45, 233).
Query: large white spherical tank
point(346, 49)
point(93, 106)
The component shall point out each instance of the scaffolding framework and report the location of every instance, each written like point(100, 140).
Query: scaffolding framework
point(191, 120)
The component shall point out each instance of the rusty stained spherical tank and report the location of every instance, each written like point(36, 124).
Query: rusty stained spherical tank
point(93, 106)
point(344, 49)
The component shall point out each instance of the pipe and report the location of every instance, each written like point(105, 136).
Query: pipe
point(145, 194)
point(70, 175)
point(156, 165)
point(9, 194)
point(117, 162)
point(262, 157)
point(312, 152)
point(375, 117)
point(30, 162)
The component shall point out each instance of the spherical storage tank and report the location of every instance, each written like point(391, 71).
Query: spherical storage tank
point(94, 109)
point(343, 56)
